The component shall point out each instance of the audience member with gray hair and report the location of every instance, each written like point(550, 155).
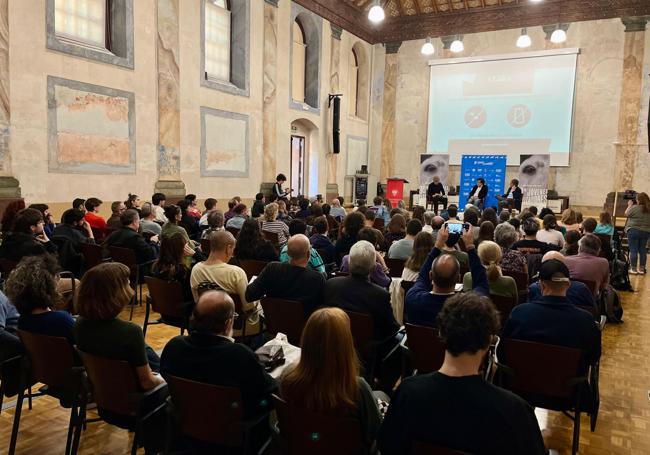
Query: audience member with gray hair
point(505, 235)
point(147, 223)
point(291, 280)
point(587, 265)
point(379, 273)
point(215, 223)
point(428, 219)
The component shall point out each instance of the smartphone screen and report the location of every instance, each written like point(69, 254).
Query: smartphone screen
point(455, 228)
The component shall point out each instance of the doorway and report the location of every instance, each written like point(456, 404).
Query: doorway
point(297, 176)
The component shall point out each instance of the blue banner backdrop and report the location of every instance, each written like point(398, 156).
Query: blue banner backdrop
point(491, 167)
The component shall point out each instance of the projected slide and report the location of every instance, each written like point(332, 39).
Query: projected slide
point(512, 105)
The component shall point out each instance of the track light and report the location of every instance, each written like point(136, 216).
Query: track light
point(558, 36)
point(376, 13)
point(457, 46)
point(524, 40)
point(427, 48)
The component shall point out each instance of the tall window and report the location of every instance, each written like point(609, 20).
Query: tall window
point(298, 70)
point(217, 40)
point(354, 82)
point(82, 21)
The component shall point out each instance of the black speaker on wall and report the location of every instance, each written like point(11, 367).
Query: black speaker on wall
point(335, 100)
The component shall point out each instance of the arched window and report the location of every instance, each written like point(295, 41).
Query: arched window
point(353, 72)
point(217, 40)
point(298, 63)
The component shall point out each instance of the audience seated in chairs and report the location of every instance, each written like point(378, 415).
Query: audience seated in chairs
point(292, 280)
point(75, 228)
point(578, 293)
point(96, 221)
point(422, 246)
point(240, 213)
point(352, 224)
point(589, 226)
point(489, 214)
point(10, 345)
point(569, 221)
point(530, 244)
point(337, 211)
point(103, 294)
point(315, 210)
point(571, 243)
point(370, 223)
point(215, 223)
point(402, 249)
point(27, 237)
point(440, 273)
point(32, 289)
point(210, 205)
point(554, 319)
point(158, 201)
point(229, 278)
point(550, 234)
point(587, 265)
point(133, 202)
point(379, 275)
point(128, 237)
point(326, 380)
point(209, 355)
point(174, 263)
point(192, 209)
point(10, 213)
point(113, 223)
point(512, 261)
point(47, 218)
point(315, 261)
point(605, 225)
point(490, 255)
point(147, 223)
point(456, 408)
point(271, 223)
point(171, 227)
point(320, 240)
point(396, 229)
point(428, 220)
point(303, 213)
point(251, 245)
point(472, 216)
point(485, 232)
point(189, 221)
point(257, 210)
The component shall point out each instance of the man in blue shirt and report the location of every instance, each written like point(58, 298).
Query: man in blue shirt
point(438, 277)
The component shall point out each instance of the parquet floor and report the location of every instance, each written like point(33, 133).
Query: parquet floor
point(623, 424)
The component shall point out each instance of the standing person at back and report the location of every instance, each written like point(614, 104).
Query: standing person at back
point(637, 228)
point(455, 408)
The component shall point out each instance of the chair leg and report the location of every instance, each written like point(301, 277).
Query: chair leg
point(133, 305)
point(14, 431)
point(71, 426)
point(576, 433)
point(146, 318)
point(136, 434)
point(2, 393)
point(81, 424)
point(29, 397)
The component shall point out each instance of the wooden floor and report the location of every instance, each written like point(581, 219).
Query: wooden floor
point(623, 424)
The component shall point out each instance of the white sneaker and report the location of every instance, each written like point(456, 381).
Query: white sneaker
point(633, 271)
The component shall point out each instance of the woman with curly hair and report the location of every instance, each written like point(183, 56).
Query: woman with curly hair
point(32, 289)
point(173, 263)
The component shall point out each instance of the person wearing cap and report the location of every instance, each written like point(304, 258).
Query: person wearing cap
point(553, 319)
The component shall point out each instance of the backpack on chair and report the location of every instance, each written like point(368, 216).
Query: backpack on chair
point(610, 305)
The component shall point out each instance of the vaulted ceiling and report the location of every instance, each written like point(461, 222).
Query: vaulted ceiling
point(416, 19)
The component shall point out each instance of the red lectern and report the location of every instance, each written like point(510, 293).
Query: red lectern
point(395, 190)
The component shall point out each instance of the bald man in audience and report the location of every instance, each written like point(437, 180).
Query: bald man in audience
point(292, 280)
point(438, 277)
point(578, 293)
point(209, 355)
point(232, 279)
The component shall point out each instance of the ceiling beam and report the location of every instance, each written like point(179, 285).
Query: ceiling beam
point(345, 15)
point(508, 16)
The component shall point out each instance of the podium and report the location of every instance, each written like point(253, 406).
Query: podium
point(395, 190)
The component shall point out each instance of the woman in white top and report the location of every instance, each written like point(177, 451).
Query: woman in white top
point(550, 234)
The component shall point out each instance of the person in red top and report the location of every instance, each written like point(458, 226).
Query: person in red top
point(96, 222)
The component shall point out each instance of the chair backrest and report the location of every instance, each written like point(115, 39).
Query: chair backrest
point(234, 231)
point(166, 296)
point(99, 235)
point(205, 246)
point(362, 328)
point(406, 285)
point(427, 351)
point(395, 267)
point(537, 369)
point(92, 254)
point(271, 237)
point(113, 383)
point(592, 285)
point(124, 256)
point(7, 266)
point(51, 359)
point(239, 309)
point(285, 316)
point(252, 267)
point(520, 278)
point(207, 412)
point(504, 306)
point(305, 432)
point(378, 224)
point(461, 273)
point(424, 448)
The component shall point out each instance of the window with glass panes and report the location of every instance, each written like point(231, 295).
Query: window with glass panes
point(217, 40)
point(81, 20)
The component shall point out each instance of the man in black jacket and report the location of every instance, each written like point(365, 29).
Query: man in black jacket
point(209, 355)
point(478, 193)
point(128, 237)
point(72, 227)
point(292, 280)
point(27, 237)
point(513, 194)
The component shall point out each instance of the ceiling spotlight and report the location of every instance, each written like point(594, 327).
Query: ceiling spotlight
point(376, 13)
point(457, 46)
point(558, 36)
point(524, 40)
point(536, 1)
point(427, 48)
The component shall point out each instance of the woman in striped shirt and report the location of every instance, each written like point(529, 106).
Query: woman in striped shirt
point(271, 224)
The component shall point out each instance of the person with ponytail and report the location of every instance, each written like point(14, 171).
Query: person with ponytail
point(490, 255)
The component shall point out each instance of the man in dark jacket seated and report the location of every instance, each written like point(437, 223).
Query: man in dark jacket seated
point(455, 408)
point(27, 237)
point(128, 237)
point(73, 226)
point(438, 277)
point(210, 355)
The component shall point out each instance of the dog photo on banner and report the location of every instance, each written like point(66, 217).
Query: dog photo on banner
point(533, 180)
